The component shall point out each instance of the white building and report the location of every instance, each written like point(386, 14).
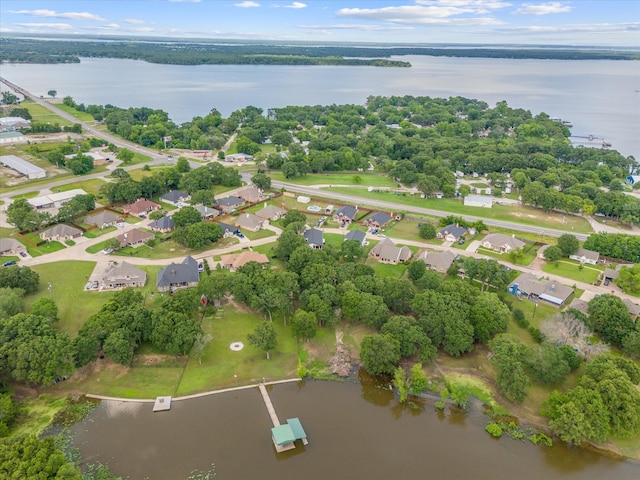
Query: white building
point(477, 201)
point(55, 200)
point(27, 169)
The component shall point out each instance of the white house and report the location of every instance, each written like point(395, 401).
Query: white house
point(585, 256)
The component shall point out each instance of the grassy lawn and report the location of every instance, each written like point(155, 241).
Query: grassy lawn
point(530, 252)
point(48, 247)
point(386, 269)
point(42, 115)
point(571, 269)
point(26, 195)
point(365, 179)
point(262, 233)
point(82, 116)
point(408, 228)
point(97, 232)
point(89, 186)
point(520, 214)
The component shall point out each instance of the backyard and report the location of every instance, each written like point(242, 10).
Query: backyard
point(573, 270)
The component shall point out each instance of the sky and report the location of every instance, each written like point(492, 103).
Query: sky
point(572, 22)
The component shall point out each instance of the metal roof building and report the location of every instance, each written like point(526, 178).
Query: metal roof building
point(28, 169)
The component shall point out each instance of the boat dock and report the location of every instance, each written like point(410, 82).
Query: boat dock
point(283, 436)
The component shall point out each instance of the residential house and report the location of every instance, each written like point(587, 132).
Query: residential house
point(345, 214)
point(11, 246)
point(178, 275)
point(609, 275)
point(175, 197)
point(580, 305)
point(357, 235)
point(377, 220)
point(438, 261)
point(452, 233)
point(271, 212)
point(238, 157)
point(103, 219)
point(54, 200)
point(314, 238)
point(234, 261)
point(134, 238)
point(529, 286)
point(60, 233)
point(387, 252)
point(123, 275)
point(13, 124)
point(634, 309)
point(229, 204)
point(250, 222)
point(228, 230)
point(478, 201)
point(250, 194)
point(585, 256)
point(502, 243)
point(163, 225)
point(207, 213)
point(142, 206)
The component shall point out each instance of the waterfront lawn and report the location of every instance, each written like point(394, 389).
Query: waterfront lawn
point(365, 180)
point(42, 115)
point(220, 365)
point(571, 269)
point(518, 214)
point(82, 116)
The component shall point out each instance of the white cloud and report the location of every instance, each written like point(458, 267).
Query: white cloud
point(54, 14)
point(296, 5)
point(54, 26)
point(355, 26)
point(595, 28)
point(542, 8)
point(134, 21)
point(419, 15)
point(111, 26)
point(246, 4)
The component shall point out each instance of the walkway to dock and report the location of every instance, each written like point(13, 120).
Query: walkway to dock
point(269, 405)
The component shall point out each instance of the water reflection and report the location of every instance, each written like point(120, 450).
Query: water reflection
point(355, 431)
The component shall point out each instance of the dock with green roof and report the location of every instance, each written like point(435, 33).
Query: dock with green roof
point(283, 435)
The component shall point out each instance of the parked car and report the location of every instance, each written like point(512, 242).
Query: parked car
point(606, 282)
point(95, 285)
point(461, 241)
point(23, 254)
point(88, 286)
point(107, 251)
point(239, 234)
point(9, 263)
point(201, 267)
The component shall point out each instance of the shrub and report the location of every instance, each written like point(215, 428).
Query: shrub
point(541, 439)
point(537, 335)
point(494, 430)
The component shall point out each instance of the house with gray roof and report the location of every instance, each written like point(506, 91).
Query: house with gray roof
point(11, 246)
point(357, 235)
point(377, 220)
point(207, 213)
point(501, 243)
point(229, 204)
point(271, 212)
point(163, 225)
point(175, 197)
point(529, 286)
point(178, 275)
point(345, 214)
point(60, 233)
point(314, 238)
point(387, 252)
point(452, 233)
point(134, 238)
point(438, 261)
point(103, 219)
point(579, 305)
point(228, 230)
point(585, 256)
point(250, 222)
point(123, 275)
point(20, 165)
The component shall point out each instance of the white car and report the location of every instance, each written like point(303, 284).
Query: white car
point(107, 251)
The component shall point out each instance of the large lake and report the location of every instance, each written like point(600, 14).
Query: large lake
point(355, 431)
point(599, 97)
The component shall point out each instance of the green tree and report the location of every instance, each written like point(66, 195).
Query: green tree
point(9, 98)
point(416, 270)
point(629, 280)
point(401, 383)
point(262, 181)
point(10, 302)
point(351, 250)
point(52, 93)
point(508, 358)
point(119, 346)
point(264, 337)
point(19, 277)
point(568, 244)
point(182, 165)
point(428, 231)
point(609, 316)
point(23, 457)
point(22, 214)
point(287, 243)
point(157, 214)
point(552, 253)
point(45, 307)
point(203, 197)
point(419, 381)
point(174, 332)
point(125, 155)
point(186, 216)
point(410, 337)
point(488, 316)
point(293, 216)
point(546, 363)
point(201, 341)
point(303, 324)
point(379, 354)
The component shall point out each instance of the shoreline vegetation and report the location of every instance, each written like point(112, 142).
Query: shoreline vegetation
point(210, 52)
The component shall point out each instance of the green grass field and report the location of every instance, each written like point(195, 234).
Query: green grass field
point(41, 114)
point(571, 269)
point(520, 214)
point(82, 116)
point(359, 178)
point(89, 186)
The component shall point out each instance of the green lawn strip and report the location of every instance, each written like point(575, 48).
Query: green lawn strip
point(479, 185)
point(262, 233)
point(386, 269)
point(41, 114)
point(9, 258)
point(365, 179)
point(67, 281)
point(520, 214)
point(90, 186)
point(529, 256)
point(82, 116)
point(571, 269)
point(97, 232)
point(333, 239)
point(26, 195)
point(47, 247)
point(221, 367)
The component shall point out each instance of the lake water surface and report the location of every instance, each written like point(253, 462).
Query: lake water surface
point(600, 97)
point(355, 431)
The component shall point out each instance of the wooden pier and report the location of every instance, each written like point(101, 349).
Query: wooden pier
point(283, 436)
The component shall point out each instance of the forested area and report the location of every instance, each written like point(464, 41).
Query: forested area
point(33, 50)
